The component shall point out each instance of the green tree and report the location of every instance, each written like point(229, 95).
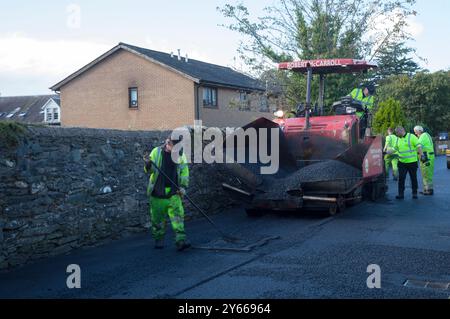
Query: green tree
point(395, 59)
point(309, 29)
point(425, 98)
point(389, 114)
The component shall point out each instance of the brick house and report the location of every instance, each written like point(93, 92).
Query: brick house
point(133, 88)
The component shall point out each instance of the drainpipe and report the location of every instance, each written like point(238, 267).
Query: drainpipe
point(196, 101)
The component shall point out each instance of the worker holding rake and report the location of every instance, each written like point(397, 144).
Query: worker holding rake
point(165, 199)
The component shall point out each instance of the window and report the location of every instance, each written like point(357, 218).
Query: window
point(133, 97)
point(49, 116)
point(55, 114)
point(244, 101)
point(52, 114)
point(209, 97)
point(242, 96)
point(264, 103)
point(10, 115)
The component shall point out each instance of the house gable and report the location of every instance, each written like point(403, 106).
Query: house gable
point(99, 97)
point(134, 88)
point(106, 55)
point(197, 71)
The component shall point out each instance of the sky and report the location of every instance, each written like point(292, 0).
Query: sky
point(42, 42)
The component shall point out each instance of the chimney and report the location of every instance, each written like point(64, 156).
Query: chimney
point(186, 58)
point(171, 54)
point(179, 55)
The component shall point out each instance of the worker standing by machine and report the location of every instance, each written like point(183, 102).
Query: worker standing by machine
point(407, 148)
point(164, 198)
point(427, 160)
point(391, 159)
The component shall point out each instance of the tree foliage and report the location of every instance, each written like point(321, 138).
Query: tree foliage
point(310, 29)
point(395, 59)
point(425, 98)
point(390, 114)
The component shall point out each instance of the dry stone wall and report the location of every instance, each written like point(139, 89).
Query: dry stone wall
point(65, 188)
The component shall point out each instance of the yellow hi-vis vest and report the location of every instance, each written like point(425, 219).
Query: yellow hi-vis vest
point(426, 142)
point(182, 170)
point(358, 95)
point(406, 148)
point(391, 141)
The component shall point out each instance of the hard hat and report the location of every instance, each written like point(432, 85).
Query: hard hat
point(371, 88)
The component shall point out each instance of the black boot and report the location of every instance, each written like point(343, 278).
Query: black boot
point(400, 197)
point(182, 245)
point(159, 244)
point(415, 196)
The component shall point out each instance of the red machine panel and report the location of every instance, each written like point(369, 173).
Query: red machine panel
point(335, 127)
point(373, 164)
point(327, 137)
point(326, 66)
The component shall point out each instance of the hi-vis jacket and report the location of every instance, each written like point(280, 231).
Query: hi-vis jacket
point(406, 148)
point(358, 94)
point(182, 169)
point(426, 142)
point(391, 141)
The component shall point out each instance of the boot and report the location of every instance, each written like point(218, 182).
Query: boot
point(182, 245)
point(400, 197)
point(159, 244)
point(414, 196)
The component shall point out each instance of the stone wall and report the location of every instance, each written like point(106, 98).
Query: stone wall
point(64, 188)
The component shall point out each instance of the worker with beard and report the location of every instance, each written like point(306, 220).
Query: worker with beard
point(165, 199)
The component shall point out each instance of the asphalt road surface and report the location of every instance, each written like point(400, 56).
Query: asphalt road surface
point(315, 257)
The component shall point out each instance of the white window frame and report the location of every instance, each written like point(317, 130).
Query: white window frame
point(210, 97)
point(244, 102)
point(50, 110)
point(55, 112)
point(48, 115)
point(133, 103)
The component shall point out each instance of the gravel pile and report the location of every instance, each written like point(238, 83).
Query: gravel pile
point(322, 171)
point(325, 171)
point(283, 172)
point(275, 189)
